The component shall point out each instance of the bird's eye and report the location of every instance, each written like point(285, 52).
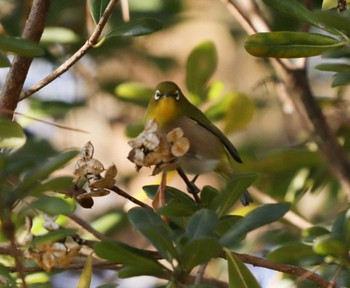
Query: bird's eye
point(177, 95)
point(157, 95)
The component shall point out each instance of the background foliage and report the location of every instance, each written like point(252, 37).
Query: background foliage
point(286, 111)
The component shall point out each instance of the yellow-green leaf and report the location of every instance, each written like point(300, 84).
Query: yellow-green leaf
point(240, 112)
point(133, 92)
point(86, 275)
point(11, 134)
point(286, 44)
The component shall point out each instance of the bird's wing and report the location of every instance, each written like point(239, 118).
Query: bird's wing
point(202, 120)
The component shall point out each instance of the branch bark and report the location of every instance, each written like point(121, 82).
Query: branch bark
point(33, 30)
point(77, 55)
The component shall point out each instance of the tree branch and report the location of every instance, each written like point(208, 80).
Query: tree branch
point(77, 55)
point(33, 30)
point(295, 79)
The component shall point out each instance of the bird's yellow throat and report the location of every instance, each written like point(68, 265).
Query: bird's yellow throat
point(165, 111)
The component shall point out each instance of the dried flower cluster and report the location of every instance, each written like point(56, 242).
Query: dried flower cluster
point(152, 148)
point(50, 254)
point(89, 182)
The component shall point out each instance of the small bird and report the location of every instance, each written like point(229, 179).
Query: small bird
point(210, 150)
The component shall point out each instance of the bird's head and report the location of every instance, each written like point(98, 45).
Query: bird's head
point(167, 104)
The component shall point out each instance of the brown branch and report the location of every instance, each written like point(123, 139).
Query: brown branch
point(286, 268)
point(77, 55)
point(33, 30)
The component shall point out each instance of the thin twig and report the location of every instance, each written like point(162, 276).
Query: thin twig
point(77, 55)
point(86, 226)
point(129, 197)
point(286, 268)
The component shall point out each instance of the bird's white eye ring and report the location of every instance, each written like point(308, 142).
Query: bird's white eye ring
point(177, 95)
point(157, 95)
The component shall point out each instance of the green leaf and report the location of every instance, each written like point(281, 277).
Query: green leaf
point(341, 79)
point(133, 92)
point(171, 193)
point(86, 274)
point(302, 255)
point(334, 20)
point(290, 44)
point(330, 245)
point(154, 229)
point(333, 67)
point(55, 184)
point(201, 224)
point(310, 234)
point(97, 7)
point(44, 170)
point(11, 134)
point(260, 216)
point(7, 277)
point(20, 47)
point(226, 223)
point(293, 9)
point(140, 27)
point(136, 260)
point(61, 35)
point(109, 221)
point(208, 195)
point(199, 251)
point(51, 205)
point(201, 65)
point(56, 109)
point(238, 274)
point(4, 61)
point(53, 236)
point(235, 186)
point(329, 4)
point(240, 112)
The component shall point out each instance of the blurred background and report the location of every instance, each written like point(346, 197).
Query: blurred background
point(90, 97)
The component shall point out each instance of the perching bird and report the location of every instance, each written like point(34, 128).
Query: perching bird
point(209, 150)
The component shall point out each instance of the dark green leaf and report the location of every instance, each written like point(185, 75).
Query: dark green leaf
point(55, 184)
point(333, 67)
point(201, 64)
point(4, 61)
point(11, 134)
point(208, 194)
point(97, 7)
point(334, 20)
point(290, 44)
point(56, 109)
point(311, 233)
point(238, 274)
point(226, 223)
point(171, 192)
point(7, 277)
point(154, 229)
point(53, 236)
point(235, 186)
point(140, 27)
point(201, 224)
point(20, 46)
point(293, 9)
point(51, 205)
point(44, 170)
point(341, 79)
point(199, 251)
point(135, 259)
point(133, 92)
point(302, 255)
point(260, 216)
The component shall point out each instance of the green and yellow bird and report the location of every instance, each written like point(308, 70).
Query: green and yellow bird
point(210, 150)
